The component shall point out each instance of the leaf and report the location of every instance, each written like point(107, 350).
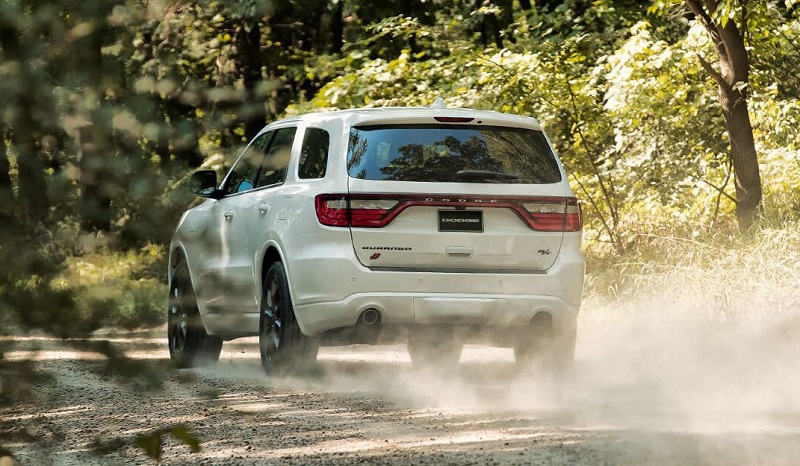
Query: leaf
point(150, 444)
point(182, 434)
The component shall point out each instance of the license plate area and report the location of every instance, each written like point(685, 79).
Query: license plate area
point(461, 220)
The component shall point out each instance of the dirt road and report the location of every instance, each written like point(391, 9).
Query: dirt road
point(655, 393)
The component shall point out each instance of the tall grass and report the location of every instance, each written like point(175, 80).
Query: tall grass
point(721, 276)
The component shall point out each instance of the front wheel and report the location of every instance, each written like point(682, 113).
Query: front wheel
point(189, 343)
point(283, 346)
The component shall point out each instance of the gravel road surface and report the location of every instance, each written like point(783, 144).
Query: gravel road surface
point(661, 393)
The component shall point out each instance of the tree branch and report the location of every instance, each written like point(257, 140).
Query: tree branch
point(714, 73)
point(705, 19)
point(721, 193)
point(720, 190)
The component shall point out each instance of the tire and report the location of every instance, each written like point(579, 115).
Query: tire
point(438, 348)
point(283, 346)
point(189, 344)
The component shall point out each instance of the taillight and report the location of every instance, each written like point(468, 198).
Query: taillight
point(553, 214)
point(574, 217)
point(332, 210)
point(377, 210)
point(337, 210)
point(371, 212)
point(442, 119)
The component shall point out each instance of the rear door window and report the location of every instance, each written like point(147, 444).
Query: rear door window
point(276, 161)
point(451, 153)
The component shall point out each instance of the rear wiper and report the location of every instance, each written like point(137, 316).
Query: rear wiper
point(484, 175)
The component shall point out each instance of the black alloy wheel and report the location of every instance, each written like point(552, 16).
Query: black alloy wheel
point(189, 344)
point(283, 346)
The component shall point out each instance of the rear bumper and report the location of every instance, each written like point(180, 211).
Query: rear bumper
point(330, 289)
point(451, 309)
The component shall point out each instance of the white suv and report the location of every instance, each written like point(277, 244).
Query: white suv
point(432, 226)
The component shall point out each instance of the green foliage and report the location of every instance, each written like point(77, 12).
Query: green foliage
point(70, 284)
point(129, 285)
point(152, 443)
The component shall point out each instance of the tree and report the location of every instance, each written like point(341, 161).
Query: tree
point(95, 151)
point(6, 193)
point(733, 78)
point(26, 103)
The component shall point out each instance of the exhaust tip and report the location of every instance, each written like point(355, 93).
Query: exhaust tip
point(542, 319)
point(370, 317)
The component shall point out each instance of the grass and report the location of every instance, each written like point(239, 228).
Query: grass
point(130, 284)
point(725, 276)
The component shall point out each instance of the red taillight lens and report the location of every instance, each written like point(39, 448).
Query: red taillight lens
point(442, 119)
point(332, 210)
point(574, 217)
point(337, 210)
point(554, 214)
point(377, 210)
point(371, 212)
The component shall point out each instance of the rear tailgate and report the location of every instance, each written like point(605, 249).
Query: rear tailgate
point(457, 232)
point(459, 194)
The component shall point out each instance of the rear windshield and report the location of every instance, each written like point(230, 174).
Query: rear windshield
point(450, 153)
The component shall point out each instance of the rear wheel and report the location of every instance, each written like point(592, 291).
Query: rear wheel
point(189, 343)
point(283, 346)
point(435, 348)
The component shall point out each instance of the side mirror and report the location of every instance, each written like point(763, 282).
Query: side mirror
point(204, 183)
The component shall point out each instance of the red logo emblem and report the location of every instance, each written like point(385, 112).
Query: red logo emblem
point(374, 256)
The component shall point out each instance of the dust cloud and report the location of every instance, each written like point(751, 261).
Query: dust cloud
point(684, 370)
point(655, 363)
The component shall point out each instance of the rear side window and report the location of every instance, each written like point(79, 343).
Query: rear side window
point(451, 153)
point(276, 160)
point(314, 154)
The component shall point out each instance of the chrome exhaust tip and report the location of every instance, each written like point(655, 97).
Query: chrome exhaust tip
point(370, 317)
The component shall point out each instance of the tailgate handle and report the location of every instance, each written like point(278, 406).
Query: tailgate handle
point(459, 252)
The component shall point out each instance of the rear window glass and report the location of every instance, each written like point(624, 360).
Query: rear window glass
point(450, 153)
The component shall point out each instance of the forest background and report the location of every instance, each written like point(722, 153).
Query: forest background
point(108, 106)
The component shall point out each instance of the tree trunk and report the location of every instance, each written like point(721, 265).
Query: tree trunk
point(733, 79)
point(747, 178)
point(337, 27)
point(33, 202)
point(6, 192)
point(95, 137)
point(95, 203)
point(249, 62)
